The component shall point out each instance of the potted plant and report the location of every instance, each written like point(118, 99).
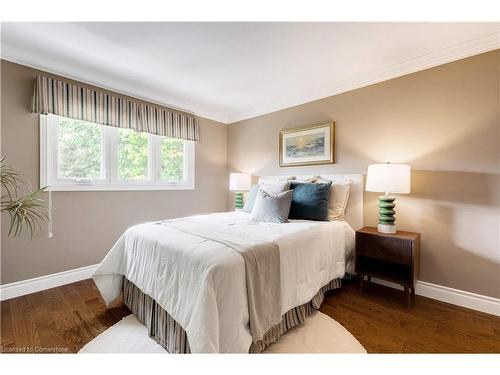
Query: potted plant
point(26, 209)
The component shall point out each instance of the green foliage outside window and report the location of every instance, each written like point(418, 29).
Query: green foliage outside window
point(80, 149)
point(172, 159)
point(81, 153)
point(132, 155)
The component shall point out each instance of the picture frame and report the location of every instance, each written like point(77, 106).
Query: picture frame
point(308, 145)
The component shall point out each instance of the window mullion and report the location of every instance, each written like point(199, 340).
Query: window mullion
point(113, 156)
point(53, 123)
point(151, 158)
point(157, 156)
point(107, 153)
point(189, 162)
point(44, 152)
point(187, 156)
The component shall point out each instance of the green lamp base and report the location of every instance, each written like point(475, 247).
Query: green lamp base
point(238, 200)
point(386, 212)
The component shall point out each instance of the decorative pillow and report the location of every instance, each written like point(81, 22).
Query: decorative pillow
point(310, 201)
point(305, 179)
point(339, 196)
point(273, 208)
point(273, 188)
point(250, 198)
point(272, 179)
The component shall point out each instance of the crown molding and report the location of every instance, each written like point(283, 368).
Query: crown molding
point(446, 55)
point(443, 56)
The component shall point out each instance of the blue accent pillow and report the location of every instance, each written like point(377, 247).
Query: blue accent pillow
point(310, 201)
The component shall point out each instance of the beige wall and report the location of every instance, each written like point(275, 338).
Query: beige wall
point(86, 224)
point(445, 122)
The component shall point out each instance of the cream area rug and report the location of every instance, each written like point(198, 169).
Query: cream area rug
point(319, 334)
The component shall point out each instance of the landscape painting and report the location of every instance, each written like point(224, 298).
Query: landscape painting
point(307, 146)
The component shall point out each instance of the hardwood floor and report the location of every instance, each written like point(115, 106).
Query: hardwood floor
point(58, 320)
point(380, 321)
point(63, 319)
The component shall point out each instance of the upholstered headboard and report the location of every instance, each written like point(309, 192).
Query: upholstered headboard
point(354, 210)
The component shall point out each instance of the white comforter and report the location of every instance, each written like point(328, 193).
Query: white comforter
point(201, 283)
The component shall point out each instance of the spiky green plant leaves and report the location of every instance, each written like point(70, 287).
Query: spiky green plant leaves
point(26, 209)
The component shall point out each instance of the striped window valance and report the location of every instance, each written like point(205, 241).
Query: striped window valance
point(69, 100)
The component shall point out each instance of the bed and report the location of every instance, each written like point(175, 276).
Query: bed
point(189, 280)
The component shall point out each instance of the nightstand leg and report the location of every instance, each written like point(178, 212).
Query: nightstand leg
point(408, 299)
point(413, 291)
point(361, 282)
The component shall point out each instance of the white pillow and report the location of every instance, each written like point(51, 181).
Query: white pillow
point(274, 188)
point(306, 179)
point(339, 196)
point(272, 179)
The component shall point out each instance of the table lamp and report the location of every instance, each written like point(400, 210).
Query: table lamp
point(239, 182)
point(388, 178)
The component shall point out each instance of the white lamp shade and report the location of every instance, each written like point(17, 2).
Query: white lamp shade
point(388, 178)
point(240, 181)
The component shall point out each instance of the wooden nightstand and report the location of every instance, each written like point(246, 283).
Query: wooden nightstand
point(391, 257)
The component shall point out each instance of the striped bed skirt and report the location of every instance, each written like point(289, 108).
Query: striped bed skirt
point(169, 334)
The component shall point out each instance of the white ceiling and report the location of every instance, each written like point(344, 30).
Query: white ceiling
point(233, 71)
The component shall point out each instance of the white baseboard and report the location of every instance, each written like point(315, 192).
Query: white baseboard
point(457, 297)
point(23, 287)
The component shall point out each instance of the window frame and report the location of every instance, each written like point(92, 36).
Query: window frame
point(49, 149)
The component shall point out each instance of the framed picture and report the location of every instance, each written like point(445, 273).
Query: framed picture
point(311, 145)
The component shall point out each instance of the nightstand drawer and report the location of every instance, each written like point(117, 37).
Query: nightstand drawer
point(385, 248)
point(390, 257)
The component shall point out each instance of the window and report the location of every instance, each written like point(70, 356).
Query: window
point(80, 150)
point(79, 155)
point(132, 155)
point(172, 159)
